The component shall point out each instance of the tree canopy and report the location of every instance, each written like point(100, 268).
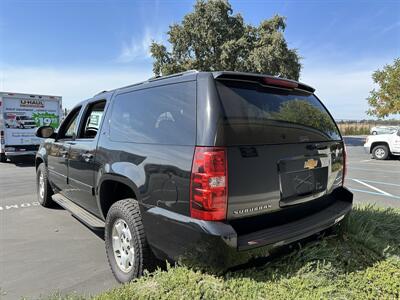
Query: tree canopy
point(212, 38)
point(302, 112)
point(386, 100)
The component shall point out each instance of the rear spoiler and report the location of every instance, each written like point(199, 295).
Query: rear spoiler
point(264, 80)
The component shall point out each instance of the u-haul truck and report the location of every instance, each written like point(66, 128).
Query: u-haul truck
point(20, 115)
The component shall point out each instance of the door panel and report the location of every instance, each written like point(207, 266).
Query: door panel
point(58, 154)
point(395, 142)
point(80, 174)
point(58, 164)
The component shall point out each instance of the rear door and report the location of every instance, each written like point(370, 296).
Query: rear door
point(395, 142)
point(284, 149)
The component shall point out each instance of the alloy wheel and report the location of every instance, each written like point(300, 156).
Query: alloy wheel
point(122, 244)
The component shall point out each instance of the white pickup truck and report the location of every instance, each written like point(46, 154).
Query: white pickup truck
point(383, 145)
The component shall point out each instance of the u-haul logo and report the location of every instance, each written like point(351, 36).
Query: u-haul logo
point(31, 103)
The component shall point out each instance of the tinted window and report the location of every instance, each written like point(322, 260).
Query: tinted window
point(161, 115)
point(91, 121)
point(69, 126)
point(255, 114)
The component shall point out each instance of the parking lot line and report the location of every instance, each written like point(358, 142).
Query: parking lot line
point(368, 163)
point(372, 187)
point(374, 170)
point(378, 182)
point(374, 193)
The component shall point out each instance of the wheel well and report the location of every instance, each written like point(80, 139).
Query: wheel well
point(373, 145)
point(38, 161)
point(112, 191)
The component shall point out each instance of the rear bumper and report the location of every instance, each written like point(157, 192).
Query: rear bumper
point(20, 150)
point(216, 245)
point(19, 153)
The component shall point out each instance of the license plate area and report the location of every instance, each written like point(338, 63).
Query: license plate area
point(303, 184)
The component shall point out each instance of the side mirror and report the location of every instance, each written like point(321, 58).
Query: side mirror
point(45, 132)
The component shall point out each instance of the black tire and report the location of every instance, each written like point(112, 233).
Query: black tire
point(374, 132)
point(3, 158)
point(46, 200)
point(128, 211)
point(380, 152)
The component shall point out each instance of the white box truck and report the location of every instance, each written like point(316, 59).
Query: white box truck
point(20, 115)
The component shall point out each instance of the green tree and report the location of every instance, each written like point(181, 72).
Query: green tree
point(386, 100)
point(304, 113)
point(211, 38)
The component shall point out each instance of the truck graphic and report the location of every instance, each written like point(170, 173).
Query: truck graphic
point(20, 115)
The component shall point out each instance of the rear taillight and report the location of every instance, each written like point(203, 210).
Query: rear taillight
point(209, 184)
point(344, 163)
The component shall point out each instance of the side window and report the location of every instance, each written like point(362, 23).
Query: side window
point(91, 121)
point(68, 128)
point(159, 115)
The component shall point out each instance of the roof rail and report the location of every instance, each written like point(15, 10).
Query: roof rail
point(160, 77)
point(151, 80)
point(102, 92)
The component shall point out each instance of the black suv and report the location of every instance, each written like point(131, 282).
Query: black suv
point(205, 168)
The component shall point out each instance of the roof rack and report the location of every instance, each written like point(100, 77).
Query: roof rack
point(151, 80)
point(102, 92)
point(159, 77)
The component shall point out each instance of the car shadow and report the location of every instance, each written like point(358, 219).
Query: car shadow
point(366, 236)
point(23, 161)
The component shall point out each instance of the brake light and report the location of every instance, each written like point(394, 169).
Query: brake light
point(344, 163)
point(209, 184)
point(280, 82)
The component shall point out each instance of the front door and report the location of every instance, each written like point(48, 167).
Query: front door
point(395, 142)
point(81, 158)
point(57, 156)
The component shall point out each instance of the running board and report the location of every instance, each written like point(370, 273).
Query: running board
point(81, 214)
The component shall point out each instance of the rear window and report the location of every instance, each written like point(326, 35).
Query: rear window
point(159, 115)
point(254, 114)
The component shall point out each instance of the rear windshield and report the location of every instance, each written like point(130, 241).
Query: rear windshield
point(255, 114)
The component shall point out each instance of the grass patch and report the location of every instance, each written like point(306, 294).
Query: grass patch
point(361, 260)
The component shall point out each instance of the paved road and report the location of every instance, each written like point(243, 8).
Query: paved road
point(44, 250)
point(47, 250)
point(372, 181)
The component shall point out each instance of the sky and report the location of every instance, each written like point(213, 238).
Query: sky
point(76, 49)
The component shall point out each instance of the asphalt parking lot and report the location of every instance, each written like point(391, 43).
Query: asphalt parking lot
point(46, 250)
point(372, 181)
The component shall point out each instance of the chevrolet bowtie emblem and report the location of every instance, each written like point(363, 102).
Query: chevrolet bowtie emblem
point(310, 164)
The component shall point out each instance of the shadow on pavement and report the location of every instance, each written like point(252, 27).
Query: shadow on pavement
point(23, 161)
